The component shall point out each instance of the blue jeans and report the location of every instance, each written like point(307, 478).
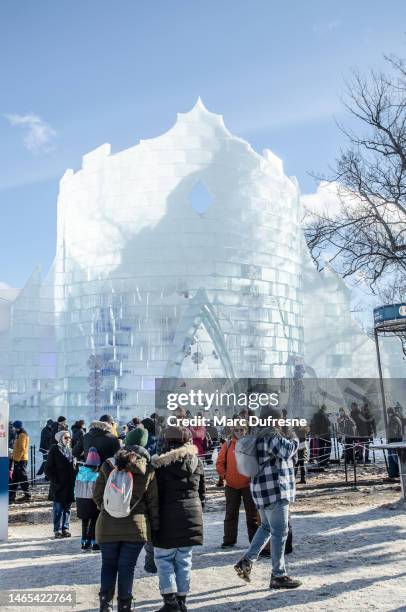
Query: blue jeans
point(118, 563)
point(274, 524)
point(61, 516)
point(174, 569)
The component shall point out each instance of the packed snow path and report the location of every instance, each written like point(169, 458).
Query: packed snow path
point(353, 560)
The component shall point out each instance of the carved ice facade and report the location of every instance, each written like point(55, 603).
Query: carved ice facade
point(181, 256)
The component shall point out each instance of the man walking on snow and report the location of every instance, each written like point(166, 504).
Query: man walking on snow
point(272, 488)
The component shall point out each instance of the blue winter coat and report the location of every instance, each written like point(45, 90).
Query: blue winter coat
point(85, 480)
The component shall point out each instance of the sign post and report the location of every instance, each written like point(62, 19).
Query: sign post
point(388, 320)
point(4, 469)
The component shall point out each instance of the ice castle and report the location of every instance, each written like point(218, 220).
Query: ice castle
point(181, 256)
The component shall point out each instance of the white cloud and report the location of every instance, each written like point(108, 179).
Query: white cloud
point(38, 135)
point(326, 199)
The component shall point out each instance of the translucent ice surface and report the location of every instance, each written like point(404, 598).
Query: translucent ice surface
point(181, 256)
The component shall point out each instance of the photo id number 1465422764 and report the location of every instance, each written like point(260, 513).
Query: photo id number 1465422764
point(37, 598)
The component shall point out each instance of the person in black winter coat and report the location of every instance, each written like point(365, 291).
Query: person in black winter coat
point(46, 441)
point(78, 431)
point(320, 430)
point(60, 469)
point(11, 435)
point(59, 425)
point(366, 430)
point(181, 488)
point(101, 437)
point(47, 438)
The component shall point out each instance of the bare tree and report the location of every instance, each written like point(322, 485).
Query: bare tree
point(366, 238)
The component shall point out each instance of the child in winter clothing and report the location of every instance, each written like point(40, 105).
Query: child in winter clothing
point(85, 506)
point(181, 488)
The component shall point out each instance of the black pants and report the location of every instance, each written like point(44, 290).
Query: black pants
point(233, 502)
point(324, 444)
point(348, 450)
point(88, 529)
point(365, 443)
point(301, 464)
point(20, 478)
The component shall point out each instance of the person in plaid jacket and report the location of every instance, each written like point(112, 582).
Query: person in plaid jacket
point(273, 489)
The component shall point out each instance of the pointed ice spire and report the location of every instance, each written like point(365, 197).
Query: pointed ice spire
point(199, 113)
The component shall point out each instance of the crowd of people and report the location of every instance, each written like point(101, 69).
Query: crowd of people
point(144, 488)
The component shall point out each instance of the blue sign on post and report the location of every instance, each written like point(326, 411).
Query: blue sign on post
point(392, 312)
point(4, 469)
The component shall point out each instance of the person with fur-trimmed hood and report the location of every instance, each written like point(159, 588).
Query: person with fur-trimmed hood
point(181, 487)
point(101, 437)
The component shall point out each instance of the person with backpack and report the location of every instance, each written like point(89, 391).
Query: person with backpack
point(267, 457)
point(86, 509)
point(237, 488)
point(126, 495)
point(181, 486)
point(139, 436)
point(60, 469)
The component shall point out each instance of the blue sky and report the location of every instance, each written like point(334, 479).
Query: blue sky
point(75, 74)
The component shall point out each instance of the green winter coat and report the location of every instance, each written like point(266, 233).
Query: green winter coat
point(143, 519)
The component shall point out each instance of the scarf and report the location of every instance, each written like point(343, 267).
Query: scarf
point(66, 451)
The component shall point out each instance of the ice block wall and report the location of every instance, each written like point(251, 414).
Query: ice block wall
point(180, 257)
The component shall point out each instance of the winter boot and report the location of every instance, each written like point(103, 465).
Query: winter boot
point(86, 545)
point(106, 600)
point(284, 582)
point(125, 605)
point(170, 603)
point(243, 569)
point(182, 602)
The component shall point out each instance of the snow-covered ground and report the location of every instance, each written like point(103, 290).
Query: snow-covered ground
point(353, 559)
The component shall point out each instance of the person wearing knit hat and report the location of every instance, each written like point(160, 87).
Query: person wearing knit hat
point(176, 436)
point(137, 437)
point(133, 423)
point(19, 458)
point(93, 458)
point(60, 470)
point(151, 428)
point(86, 509)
